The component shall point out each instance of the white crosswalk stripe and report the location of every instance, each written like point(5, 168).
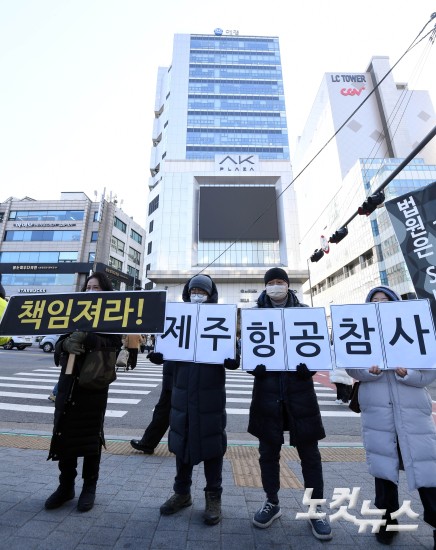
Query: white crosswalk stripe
point(128, 390)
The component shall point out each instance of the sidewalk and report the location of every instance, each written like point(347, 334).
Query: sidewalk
point(132, 486)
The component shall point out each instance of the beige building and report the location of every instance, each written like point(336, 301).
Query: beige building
point(50, 246)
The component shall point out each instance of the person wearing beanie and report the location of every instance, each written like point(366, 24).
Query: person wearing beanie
point(286, 401)
point(398, 431)
point(197, 417)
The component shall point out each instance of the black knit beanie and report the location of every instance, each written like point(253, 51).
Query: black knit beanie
point(275, 273)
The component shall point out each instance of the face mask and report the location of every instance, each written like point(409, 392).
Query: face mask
point(277, 292)
point(198, 298)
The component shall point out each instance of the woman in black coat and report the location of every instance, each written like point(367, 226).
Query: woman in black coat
point(79, 413)
point(198, 417)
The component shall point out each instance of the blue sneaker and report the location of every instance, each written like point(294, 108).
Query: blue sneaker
point(321, 527)
point(266, 515)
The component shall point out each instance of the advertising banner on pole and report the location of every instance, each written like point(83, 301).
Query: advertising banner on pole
point(413, 217)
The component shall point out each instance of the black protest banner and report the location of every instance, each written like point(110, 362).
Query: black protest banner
point(413, 217)
point(110, 312)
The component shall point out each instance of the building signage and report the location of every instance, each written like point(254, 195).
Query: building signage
point(220, 32)
point(413, 218)
point(31, 290)
point(44, 224)
point(61, 267)
point(236, 163)
point(115, 273)
point(350, 79)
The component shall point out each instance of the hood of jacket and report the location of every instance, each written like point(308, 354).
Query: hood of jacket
point(213, 298)
point(391, 294)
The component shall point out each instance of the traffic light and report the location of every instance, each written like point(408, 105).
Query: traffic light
point(338, 235)
point(317, 255)
point(371, 204)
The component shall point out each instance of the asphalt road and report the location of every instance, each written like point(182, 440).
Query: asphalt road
point(27, 377)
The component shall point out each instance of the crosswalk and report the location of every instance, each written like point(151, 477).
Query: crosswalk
point(27, 392)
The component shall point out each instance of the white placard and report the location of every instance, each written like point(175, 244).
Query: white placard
point(357, 336)
point(408, 334)
point(307, 338)
point(216, 333)
point(262, 339)
point(177, 343)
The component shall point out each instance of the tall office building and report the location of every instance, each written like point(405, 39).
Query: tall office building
point(219, 201)
point(371, 123)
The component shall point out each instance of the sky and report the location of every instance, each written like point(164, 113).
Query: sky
point(78, 77)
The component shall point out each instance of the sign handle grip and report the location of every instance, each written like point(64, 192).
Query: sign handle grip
point(70, 363)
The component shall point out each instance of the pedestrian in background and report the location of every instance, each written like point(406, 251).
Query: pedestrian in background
point(161, 414)
point(79, 413)
point(398, 432)
point(343, 383)
point(132, 343)
point(286, 401)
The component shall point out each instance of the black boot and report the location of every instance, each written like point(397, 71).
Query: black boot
point(383, 536)
point(212, 513)
point(87, 496)
point(63, 493)
point(139, 446)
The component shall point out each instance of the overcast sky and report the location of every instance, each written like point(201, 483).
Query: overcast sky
point(77, 77)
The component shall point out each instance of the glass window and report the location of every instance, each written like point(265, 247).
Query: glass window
point(150, 227)
point(120, 225)
point(134, 255)
point(154, 204)
point(136, 236)
point(149, 247)
point(91, 257)
point(117, 245)
point(94, 236)
point(117, 264)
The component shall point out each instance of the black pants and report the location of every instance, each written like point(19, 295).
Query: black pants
point(386, 497)
point(133, 357)
point(343, 391)
point(159, 422)
point(311, 467)
point(213, 472)
point(68, 468)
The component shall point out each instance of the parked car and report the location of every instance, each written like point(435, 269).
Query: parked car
point(48, 343)
point(19, 342)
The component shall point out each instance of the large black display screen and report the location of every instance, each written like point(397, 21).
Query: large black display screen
point(229, 213)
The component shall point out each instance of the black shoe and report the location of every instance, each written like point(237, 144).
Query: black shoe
point(87, 496)
point(59, 497)
point(386, 537)
point(212, 513)
point(175, 504)
point(139, 446)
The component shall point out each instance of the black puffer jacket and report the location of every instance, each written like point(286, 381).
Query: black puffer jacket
point(198, 406)
point(79, 413)
point(282, 401)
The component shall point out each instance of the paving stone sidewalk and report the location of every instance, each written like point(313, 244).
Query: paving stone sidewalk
point(131, 488)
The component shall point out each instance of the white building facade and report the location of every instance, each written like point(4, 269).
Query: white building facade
point(220, 200)
point(369, 135)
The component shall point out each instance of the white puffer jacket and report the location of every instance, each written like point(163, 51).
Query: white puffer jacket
point(340, 376)
point(396, 409)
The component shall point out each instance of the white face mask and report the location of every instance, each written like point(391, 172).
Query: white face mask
point(277, 292)
point(198, 298)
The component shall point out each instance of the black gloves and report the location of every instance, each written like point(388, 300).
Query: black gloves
point(232, 364)
point(303, 372)
point(74, 343)
point(155, 357)
point(259, 371)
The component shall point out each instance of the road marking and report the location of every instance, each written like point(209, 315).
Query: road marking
point(49, 409)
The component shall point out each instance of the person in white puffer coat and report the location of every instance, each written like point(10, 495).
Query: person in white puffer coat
point(398, 432)
point(343, 383)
